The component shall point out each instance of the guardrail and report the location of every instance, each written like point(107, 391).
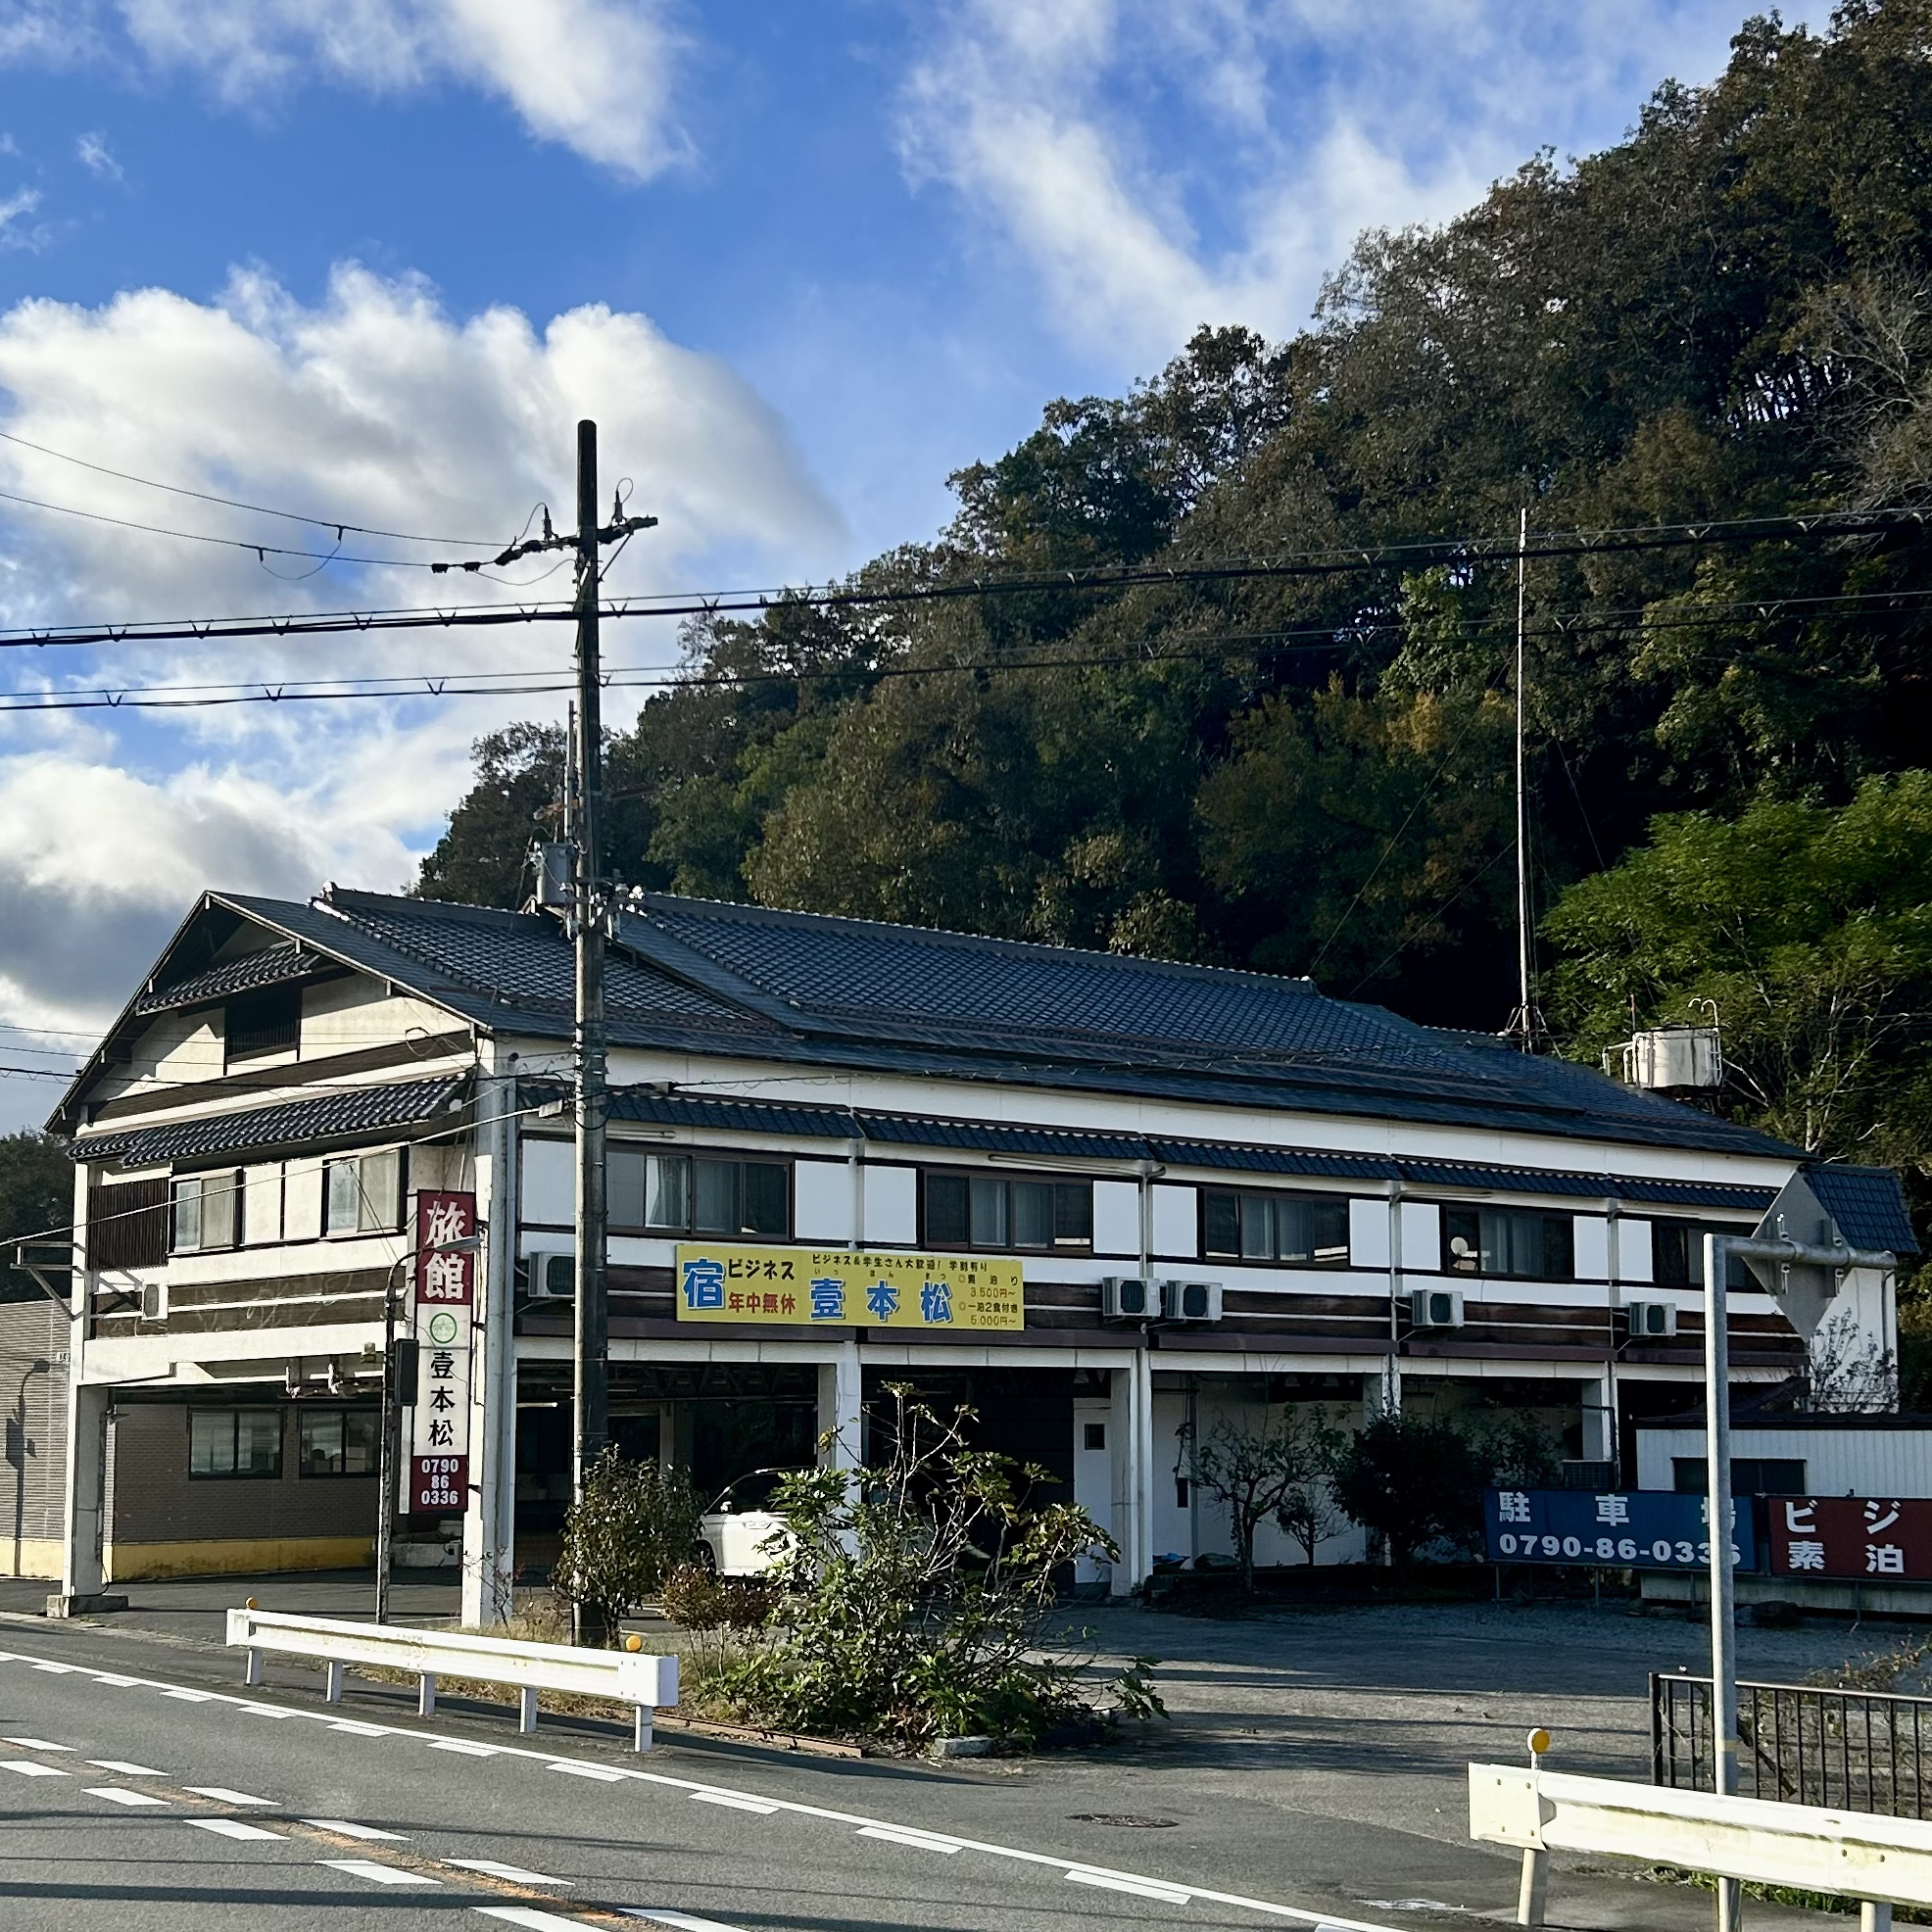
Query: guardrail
point(1880, 1862)
point(631, 1677)
point(1866, 1750)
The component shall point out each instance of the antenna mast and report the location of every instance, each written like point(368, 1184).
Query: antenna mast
point(1526, 1025)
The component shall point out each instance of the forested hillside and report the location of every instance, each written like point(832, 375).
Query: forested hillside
point(1729, 316)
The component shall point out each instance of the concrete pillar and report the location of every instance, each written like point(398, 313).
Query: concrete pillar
point(841, 1414)
point(83, 1579)
point(489, 1525)
point(1130, 1429)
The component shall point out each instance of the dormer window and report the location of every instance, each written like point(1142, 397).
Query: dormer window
point(257, 1025)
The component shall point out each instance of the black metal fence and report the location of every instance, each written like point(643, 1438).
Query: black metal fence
point(1847, 1750)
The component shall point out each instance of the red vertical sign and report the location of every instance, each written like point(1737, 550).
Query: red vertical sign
point(444, 1298)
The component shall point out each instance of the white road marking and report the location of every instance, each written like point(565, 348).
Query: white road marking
point(683, 1920)
point(27, 1768)
point(125, 1770)
point(267, 1711)
point(919, 1840)
point(1141, 1888)
point(352, 1830)
point(539, 1921)
point(35, 1743)
point(490, 1868)
point(377, 1874)
point(354, 1727)
point(232, 1828)
point(113, 1682)
point(732, 1801)
point(1299, 1916)
point(57, 1670)
point(223, 1795)
point(118, 1794)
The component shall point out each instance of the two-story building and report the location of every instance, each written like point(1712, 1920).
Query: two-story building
point(842, 1154)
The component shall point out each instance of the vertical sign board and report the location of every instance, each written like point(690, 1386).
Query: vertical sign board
point(1851, 1536)
point(1629, 1530)
point(445, 1310)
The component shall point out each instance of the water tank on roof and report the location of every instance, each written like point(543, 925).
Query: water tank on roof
point(1674, 1059)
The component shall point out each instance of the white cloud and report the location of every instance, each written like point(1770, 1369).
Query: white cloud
point(94, 155)
point(594, 74)
point(1159, 166)
point(374, 405)
point(13, 210)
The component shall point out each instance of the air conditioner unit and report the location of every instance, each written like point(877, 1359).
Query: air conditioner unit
point(1191, 1301)
point(1127, 1298)
point(1436, 1308)
point(553, 1277)
point(1649, 1321)
point(154, 1301)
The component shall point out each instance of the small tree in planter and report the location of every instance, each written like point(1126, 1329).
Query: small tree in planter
point(1278, 1469)
point(634, 1527)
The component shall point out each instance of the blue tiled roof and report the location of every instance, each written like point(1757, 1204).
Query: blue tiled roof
point(826, 993)
point(347, 1113)
point(1865, 1203)
point(272, 966)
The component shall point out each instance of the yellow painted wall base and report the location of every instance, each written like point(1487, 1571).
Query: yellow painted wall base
point(241, 1557)
point(32, 1556)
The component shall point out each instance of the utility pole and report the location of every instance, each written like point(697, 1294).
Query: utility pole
point(589, 913)
point(1525, 1023)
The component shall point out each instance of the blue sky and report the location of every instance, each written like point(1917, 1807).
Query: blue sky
point(371, 257)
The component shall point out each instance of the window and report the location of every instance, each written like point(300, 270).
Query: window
point(1274, 1228)
point(698, 1194)
point(206, 1211)
point(989, 1211)
point(129, 1223)
point(257, 1023)
point(1676, 1254)
point(1094, 1435)
point(234, 1442)
point(1751, 1476)
point(362, 1194)
point(1508, 1241)
point(338, 1442)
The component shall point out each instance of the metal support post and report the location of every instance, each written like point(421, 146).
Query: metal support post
point(1874, 1917)
point(1718, 1525)
point(385, 1452)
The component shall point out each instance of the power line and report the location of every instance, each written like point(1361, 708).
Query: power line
point(334, 523)
point(1460, 552)
point(535, 682)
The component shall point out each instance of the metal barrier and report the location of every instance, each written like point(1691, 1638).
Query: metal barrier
point(1859, 1751)
point(1880, 1862)
point(631, 1677)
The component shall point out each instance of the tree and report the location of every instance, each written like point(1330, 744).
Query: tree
point(1275, 1467)
point(1809, 928)
point(36, 1195)
point(634, 1525)
point(1411, 1479)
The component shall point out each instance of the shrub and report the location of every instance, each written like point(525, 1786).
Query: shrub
point(635, 1524)
point(916, 1593)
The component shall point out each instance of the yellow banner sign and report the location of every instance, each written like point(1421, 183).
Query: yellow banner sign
point(835, 1287)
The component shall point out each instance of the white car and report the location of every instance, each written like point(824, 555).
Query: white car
point(744, 1542)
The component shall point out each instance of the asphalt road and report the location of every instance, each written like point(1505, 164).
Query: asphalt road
point(1313, 1777)
point(137, 1798)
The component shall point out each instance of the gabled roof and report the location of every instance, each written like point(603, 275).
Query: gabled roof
point(691, 975)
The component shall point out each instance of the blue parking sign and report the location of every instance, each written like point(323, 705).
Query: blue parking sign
point(1625, 1528)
